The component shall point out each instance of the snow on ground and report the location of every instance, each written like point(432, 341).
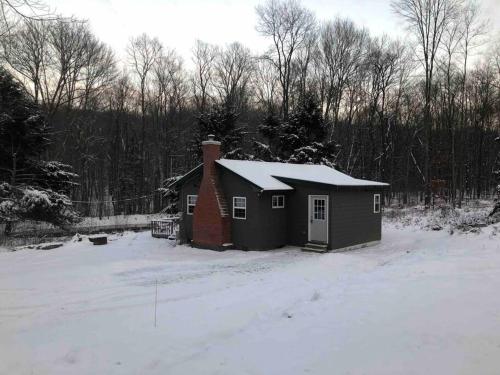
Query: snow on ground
point(418, 303)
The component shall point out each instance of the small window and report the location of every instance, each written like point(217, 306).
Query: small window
point(278, 201)
point(191, 202)
point(239, 208)
point(376, 203)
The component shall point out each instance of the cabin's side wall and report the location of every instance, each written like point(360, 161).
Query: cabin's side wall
point(352, 220)
point(264, 227)
point(189, 187)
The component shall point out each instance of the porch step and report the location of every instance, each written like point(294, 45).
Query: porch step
point(315, 247)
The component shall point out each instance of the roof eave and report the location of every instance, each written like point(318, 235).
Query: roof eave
point(261, 188)
point(377, 185)
point(183, 178)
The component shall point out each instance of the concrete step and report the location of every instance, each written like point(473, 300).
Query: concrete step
point(315, 247)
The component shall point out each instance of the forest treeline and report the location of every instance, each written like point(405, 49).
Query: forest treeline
point(421, 113)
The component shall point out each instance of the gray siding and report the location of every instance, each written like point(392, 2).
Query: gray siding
point(264, 227)
point(352, 220)
point(189, 187)
point(298, 208)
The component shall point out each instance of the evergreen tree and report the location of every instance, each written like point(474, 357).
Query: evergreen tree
point(220, 120)
point(301, 139)
point(30, 188)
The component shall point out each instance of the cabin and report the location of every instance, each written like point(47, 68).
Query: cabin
point(254, 205)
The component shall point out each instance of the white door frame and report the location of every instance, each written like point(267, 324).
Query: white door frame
point(327, 213)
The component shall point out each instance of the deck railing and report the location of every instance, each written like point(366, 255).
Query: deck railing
point(165, 227)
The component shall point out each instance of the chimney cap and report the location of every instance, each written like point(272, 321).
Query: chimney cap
point(211, 141)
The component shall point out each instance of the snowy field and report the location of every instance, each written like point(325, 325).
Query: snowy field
point(421, 302)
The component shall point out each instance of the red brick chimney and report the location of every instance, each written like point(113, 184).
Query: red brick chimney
point(211, 221)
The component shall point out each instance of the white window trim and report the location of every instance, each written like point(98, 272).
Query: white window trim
point(277, 199)
point(190, 204)
point(240, 208)
point(375, 202)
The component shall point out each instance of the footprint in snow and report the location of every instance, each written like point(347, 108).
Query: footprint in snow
point(316, 296)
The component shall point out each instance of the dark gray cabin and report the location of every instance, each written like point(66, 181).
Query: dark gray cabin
point(259, 205)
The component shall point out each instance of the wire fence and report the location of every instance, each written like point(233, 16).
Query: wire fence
point(34, 232)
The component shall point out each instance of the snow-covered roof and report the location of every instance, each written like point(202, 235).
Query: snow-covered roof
point(266, 174)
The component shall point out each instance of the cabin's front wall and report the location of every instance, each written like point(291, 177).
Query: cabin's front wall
point(298, 211)
point(264, 227)
point(352, 218)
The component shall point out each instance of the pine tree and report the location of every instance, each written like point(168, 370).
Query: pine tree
point(301, 139)
point(220, 120)
point(31, 188)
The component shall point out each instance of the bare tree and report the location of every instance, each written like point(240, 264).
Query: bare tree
point(26, 51)
point(14, 11)
point(143, 52)
point(428, 20)
point(265, 84)
point(289, 25)
point(343, 46)
point(68, 48)
point(61, 62)
point(233, 69)
point(203, 57)
point(170, 82)
point(452, 37)
point(98, 72)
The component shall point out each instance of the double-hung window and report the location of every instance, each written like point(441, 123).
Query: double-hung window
point(278, 201)
point(191, 202)
point(376, 203)
point(239, 208)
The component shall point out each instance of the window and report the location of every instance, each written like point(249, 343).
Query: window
point(376, 203)
point(239, 208)
point(319, 209)
point(278, 201)
point(191, 202)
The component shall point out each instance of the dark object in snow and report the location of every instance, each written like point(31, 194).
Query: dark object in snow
point(437, 227)
point(99, 240)
point(49, 246)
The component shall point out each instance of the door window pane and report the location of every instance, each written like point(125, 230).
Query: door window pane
point(319, 209)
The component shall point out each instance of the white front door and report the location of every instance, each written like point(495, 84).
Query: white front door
point(318, 218)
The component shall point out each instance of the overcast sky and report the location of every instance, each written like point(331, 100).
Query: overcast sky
point(178, 23)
